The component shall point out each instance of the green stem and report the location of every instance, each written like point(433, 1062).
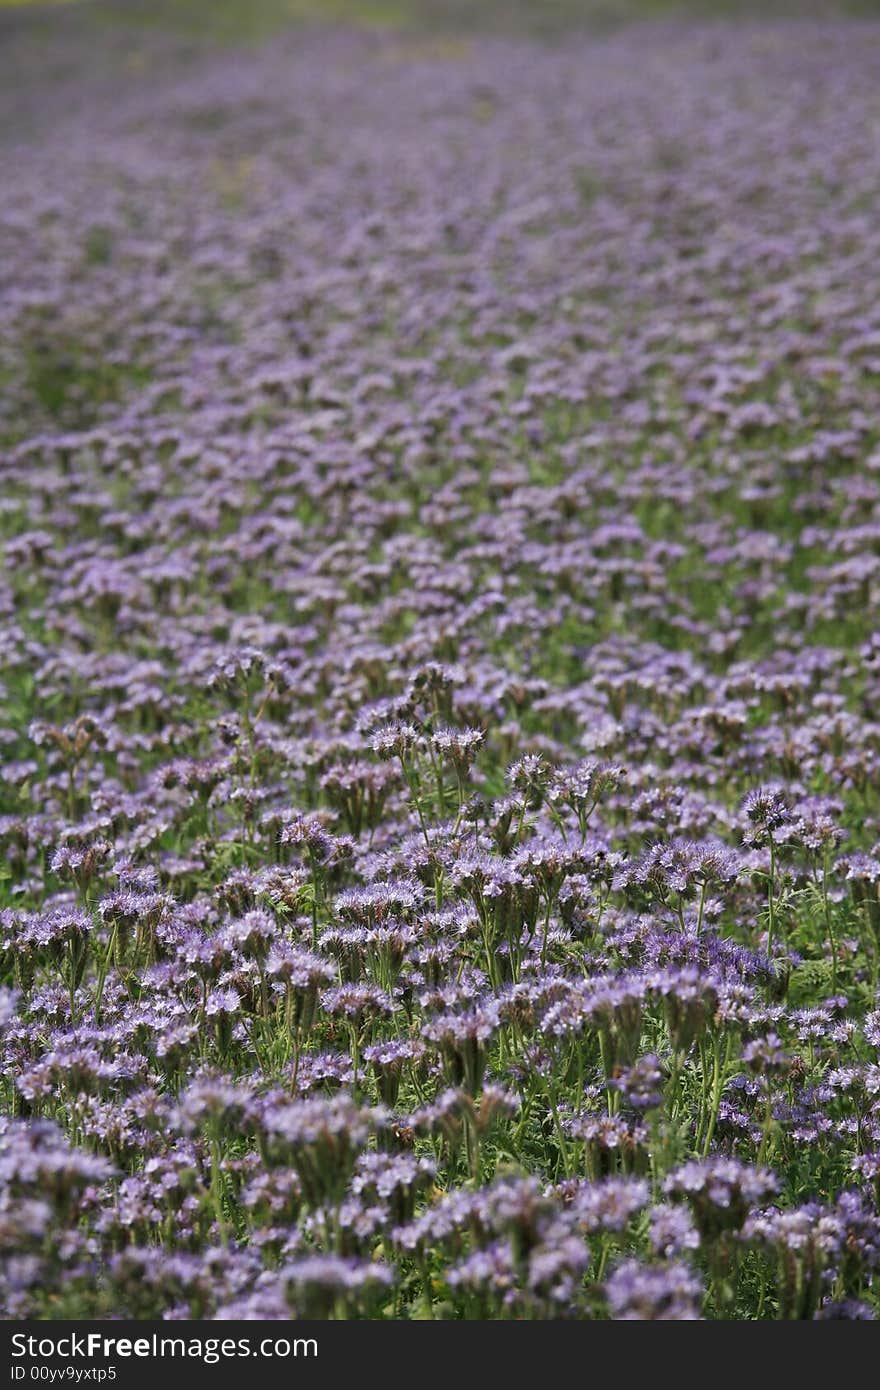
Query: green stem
point(770, 899)
point(718, 1079)
point(217, 1190)
point(828, 927)
point(103, 970)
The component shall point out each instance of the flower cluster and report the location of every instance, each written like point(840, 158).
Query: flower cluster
point(440, 778)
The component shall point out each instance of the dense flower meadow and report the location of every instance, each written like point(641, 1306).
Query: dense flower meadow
point(441, 680)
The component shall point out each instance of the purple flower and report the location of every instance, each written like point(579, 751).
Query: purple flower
point(720, 1191)
point(661, 1292)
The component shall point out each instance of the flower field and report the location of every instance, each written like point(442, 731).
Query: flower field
point(440, 694)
